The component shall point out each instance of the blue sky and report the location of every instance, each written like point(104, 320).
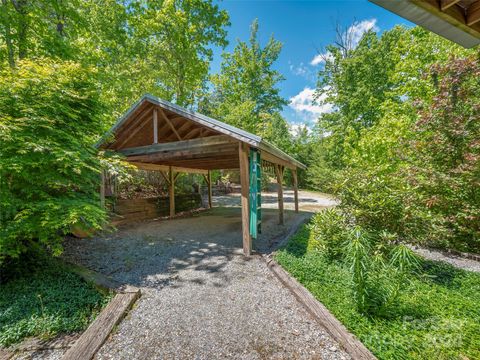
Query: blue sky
point(304, 28)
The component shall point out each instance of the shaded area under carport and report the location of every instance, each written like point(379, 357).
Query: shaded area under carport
point(152, 253)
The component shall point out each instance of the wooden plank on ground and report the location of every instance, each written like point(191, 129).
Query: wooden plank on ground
point(96, 334)
point(101, 281)
point(324, 317)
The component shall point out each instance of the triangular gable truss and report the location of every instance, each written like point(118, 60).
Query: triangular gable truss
point(151, 123)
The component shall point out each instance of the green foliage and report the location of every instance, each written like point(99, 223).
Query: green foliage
point(169, 48)
point(160, 47)
point(398, 150)
point(434, 316)
point(445, 163)
point(328, 233)
point(49, 171)
point(45, 303)
point(379, 266)
point(246, 92)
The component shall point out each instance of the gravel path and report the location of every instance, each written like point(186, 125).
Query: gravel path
point(201, 299)
point(307, 200)
point(457, 261)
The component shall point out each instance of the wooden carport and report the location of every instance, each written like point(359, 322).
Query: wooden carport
point(155, 134)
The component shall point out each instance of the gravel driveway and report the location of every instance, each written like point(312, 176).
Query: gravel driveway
point(201, 299)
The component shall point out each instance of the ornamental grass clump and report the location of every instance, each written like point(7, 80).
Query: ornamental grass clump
point(379, 265)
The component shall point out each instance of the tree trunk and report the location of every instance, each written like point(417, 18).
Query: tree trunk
point(22, 28)
point(8, 38)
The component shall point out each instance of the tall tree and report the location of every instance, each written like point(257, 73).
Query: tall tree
point(33, 29)
point(365, 83)
point(246, 92)
point(172, 43)
point(162, 46)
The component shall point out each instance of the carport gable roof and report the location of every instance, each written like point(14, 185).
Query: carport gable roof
point(214, 126)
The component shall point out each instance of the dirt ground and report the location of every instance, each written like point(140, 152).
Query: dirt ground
point(308, 200)
point(201, 298)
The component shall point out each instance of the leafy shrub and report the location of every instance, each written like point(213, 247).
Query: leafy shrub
point(379, 266)
point(373, 200)
point(328, 233)
point(445, 166)
point(379, 271)
point(49, 170)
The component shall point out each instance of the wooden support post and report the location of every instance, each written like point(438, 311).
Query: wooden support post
point(171, 191)
point(209, 183)
point(155, 127)
point(244, 181)
point(295, 189)
point(102, 189)
point(279, 173)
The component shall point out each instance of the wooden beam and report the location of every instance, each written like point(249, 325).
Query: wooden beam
point(169, 123)
point(209, 182)
point(445, 4)
point(295, 189)
point(157, 167)
point(131, 125)
point(227, 163)
point(212, 153)
point(171, 192)
point(320, 313)
point(455, 15)
point(473, 13)
point(276, 160)
point(165, 177)
point(134, 131)
point(193, 132)
point(206, 163)
point(177, 174)
point(186, 126)
point(94, 337)
point(279, 173)
point(155, 127)
point(177, 145)
point(243, 150)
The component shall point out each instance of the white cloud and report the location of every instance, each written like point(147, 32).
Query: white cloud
point(354, 34)
point(304, 104)
point(303, 71)
point(357, 30)
point(321, 58)
point(294, 129)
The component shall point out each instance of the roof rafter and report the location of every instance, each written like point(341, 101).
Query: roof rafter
point(445, 4)
point(165, 117)
point(202, 127)
point(473, 13)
